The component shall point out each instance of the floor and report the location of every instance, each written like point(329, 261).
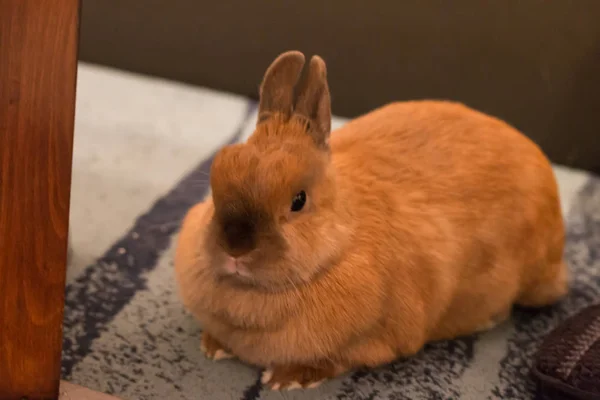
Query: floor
point(68, 391)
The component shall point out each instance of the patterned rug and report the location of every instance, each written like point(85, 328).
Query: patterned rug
point(143, 149)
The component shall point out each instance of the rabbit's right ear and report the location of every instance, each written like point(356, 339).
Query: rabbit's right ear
point(279, 82)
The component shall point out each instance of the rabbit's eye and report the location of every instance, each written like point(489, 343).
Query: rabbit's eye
point(299, 201)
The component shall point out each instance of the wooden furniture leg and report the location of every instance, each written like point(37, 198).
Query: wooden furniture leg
point(38, 64)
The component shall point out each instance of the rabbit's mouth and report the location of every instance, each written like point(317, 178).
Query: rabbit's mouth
point(237, 266)
point(245, 274)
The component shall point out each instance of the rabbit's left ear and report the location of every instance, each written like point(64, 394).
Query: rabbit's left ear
point(314, 103)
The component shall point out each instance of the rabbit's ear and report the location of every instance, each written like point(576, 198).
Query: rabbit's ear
point(279, 82)
point(314, 103)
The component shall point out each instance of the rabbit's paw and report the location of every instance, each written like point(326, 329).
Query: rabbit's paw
point(493, 322)
point(298, 377)
point(212, 349)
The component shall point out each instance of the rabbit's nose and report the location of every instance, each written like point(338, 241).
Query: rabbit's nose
point(240, 237)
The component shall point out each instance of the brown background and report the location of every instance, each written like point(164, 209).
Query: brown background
point(534, 63)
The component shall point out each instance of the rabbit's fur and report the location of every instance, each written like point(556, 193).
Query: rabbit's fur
point(423, 221)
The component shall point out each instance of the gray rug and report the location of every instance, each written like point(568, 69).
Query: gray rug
point(142, 152)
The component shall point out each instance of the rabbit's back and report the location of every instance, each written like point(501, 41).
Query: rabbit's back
point(445, 155)
point(433, 145)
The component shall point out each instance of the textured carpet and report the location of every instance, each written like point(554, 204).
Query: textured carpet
point(143, 148)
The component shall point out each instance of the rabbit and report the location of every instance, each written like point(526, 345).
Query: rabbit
point(317, 253)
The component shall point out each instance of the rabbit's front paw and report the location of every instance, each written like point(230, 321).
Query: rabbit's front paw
point(298, 377)
point(212, 349)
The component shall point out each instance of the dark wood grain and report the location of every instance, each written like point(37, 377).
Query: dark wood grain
point(38, 63)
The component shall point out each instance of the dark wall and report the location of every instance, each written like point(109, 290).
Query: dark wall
point(534, 63)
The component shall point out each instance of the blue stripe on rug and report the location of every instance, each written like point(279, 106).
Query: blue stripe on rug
point(106, 287)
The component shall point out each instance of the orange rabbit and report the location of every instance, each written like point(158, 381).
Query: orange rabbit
point(417, 222)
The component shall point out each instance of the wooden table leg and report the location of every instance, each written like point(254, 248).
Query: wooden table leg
point(38, 64)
